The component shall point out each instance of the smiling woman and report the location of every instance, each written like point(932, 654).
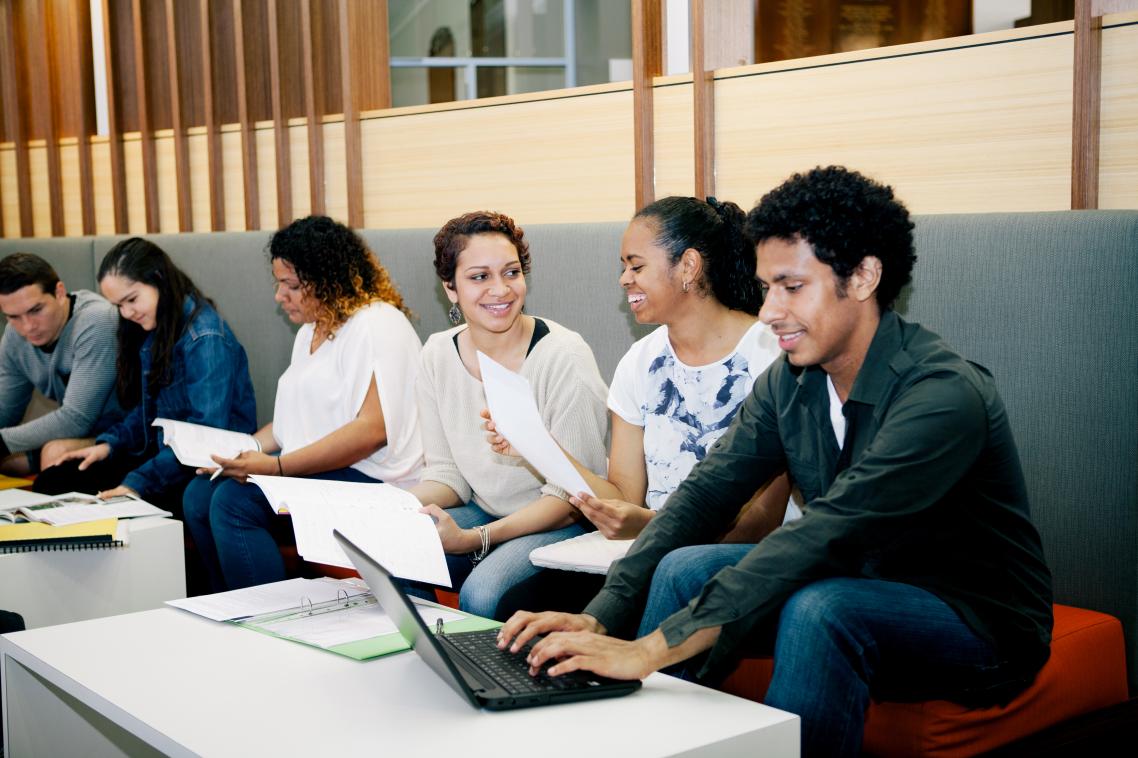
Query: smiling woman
point(490, 510)
point(177, 359)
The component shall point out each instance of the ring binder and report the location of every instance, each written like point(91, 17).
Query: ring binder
point(101, 542)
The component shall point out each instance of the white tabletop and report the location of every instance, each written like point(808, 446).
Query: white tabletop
point(186, 684)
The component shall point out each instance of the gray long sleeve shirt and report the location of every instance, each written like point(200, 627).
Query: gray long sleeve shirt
point(79, 374)
point(933, 496)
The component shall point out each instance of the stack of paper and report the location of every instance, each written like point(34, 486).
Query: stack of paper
point(590, 553)
point(381, 518)
point(72, 507)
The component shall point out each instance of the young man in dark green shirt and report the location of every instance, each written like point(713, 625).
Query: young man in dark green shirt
point(915, 572)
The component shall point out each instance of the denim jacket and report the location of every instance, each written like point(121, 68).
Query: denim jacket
point(210, 385)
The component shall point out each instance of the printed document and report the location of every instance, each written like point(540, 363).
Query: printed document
point(515, 414)
point(590, 553)
point(267, 598)
point(381, 518)
point(193, 443)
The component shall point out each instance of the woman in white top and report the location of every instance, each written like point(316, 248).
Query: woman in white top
point(687, 267)
point(345, 407)
point(492, 509)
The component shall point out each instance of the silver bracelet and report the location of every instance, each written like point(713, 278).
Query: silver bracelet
point(484, 535)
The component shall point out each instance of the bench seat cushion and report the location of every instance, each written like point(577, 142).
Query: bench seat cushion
point(1086, 672)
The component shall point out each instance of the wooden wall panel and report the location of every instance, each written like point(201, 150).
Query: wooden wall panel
point(301, 198)
point(941, 128)
point(135, 194)
point(101, 179)
point(266, 141)
point(70, 195)
point(1118, 157)
point(166, 182)
point(9, 193)
point(40, 195)
point(234, 182)
point(675, 162)
point(198, 151)
point(557, 160)
point(336, 172)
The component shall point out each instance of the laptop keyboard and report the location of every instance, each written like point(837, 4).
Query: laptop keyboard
point(510, 670)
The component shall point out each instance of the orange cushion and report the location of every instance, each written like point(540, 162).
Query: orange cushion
point(1086, 672)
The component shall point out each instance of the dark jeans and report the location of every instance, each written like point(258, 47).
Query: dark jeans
point(550, 590)
point(842, 641)
point(104, 475)
point(236, 531)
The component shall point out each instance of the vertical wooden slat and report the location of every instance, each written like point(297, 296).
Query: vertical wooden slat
point(380, 58)
point(149, 162)
point(703, 91)
point(15, 96)
point(315, 128)
point(181, 148)
point(43, 106)
point(647, 62)
point(114, 134)
point(81, 27)
point(353, 152)
point(248, 138)
point(1086, 100)
point(212, 135)
point(280, 126)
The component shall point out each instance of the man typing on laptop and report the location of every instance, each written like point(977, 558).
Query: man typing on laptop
point(915, 572)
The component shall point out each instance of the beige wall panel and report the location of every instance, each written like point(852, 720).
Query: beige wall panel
point(167, 184)
point(198, 177)
point(135, 196)
point(672, 127)
point(233, 179)
point(1118, 156)
point(9, 200)
point(69, 183)
point(103, 190)
point(298, 155)
point(267, 176)
point(41, 200)
point(335, 173)
point(964, 130)
point(562, 160)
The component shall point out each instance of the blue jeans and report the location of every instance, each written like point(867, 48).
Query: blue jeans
point(482, 585)
point(233, 528)
point(841, 641)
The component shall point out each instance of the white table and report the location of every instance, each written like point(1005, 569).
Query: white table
point(168, 682)
point(57, 587)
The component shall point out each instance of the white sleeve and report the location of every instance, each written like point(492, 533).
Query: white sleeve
point(627, 390)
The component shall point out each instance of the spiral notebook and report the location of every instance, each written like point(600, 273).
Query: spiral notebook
point(89, 535)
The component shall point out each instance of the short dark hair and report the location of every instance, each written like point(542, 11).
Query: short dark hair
point(18, 270)
point(334, 261)
point(845, 217)
point(453, 238)
point(715, 230)
point(140, 260)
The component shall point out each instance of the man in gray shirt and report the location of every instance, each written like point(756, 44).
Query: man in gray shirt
point(62, 345)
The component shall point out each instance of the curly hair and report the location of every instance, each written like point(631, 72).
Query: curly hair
point(452, 239)
point(336, 266)
point(715, 230)
point(140, 260)
point(845, 217)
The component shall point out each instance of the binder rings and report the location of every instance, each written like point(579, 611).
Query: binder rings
point(89, 535)
point(337, 625)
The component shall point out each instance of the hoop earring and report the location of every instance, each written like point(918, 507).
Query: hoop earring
point(454, 314)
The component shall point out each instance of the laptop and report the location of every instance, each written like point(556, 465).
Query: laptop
point(470, 662)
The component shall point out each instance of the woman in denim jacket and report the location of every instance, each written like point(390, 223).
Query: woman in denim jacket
point(177, 359)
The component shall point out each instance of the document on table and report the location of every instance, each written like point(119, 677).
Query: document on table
point(77, 508)
point(383, 520)
point(515, 414)
point(267, 598)
point(193, 443)
point(359, 621)
point(590, 553)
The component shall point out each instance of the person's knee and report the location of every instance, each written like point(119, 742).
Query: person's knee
point(683, 572)
point(480, 596)
point(231, 504)
point(196, 500)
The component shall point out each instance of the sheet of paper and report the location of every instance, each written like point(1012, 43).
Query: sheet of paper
point(10, 500)
point(381, 518)
point(590, 553)
point(193, 443)
point(351, 624)
point(515, 413)
point(266, 598)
